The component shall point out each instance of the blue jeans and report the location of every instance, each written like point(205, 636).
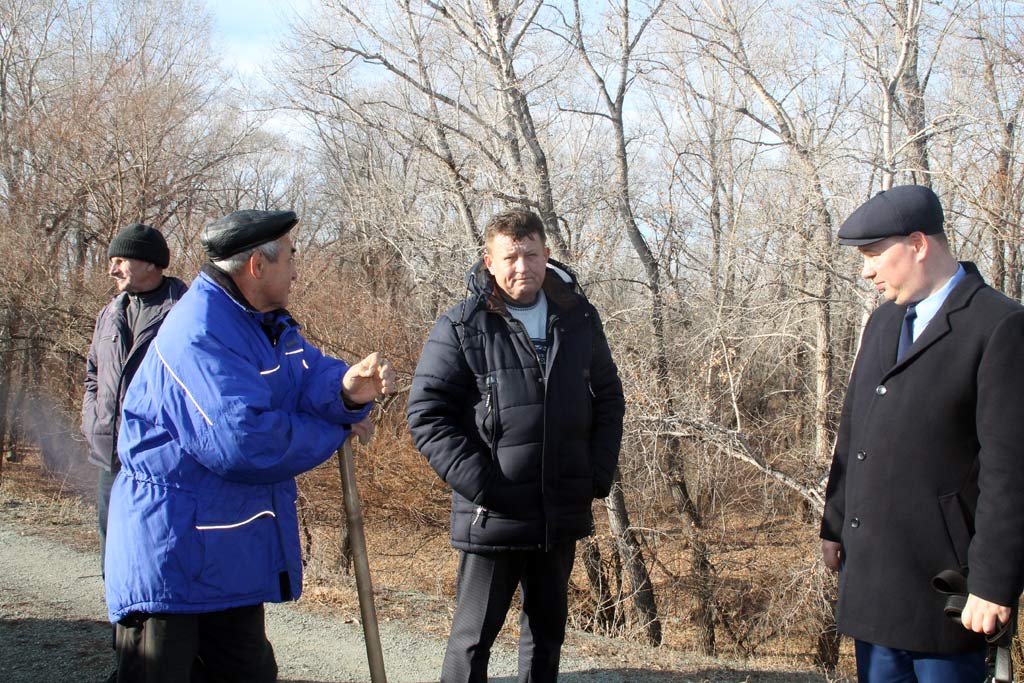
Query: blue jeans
point(878, 664)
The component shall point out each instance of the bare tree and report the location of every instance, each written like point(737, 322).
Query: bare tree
point(106, 118)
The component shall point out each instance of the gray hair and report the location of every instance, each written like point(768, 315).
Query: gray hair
point(233, 264)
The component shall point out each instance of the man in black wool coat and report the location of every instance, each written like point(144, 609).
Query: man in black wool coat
point(928, 471)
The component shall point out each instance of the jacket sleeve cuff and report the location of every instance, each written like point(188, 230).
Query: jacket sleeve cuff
point(353, 413)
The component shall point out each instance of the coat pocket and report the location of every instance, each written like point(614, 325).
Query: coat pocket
point(492, 414)
point(957, 527)
point(236, 552)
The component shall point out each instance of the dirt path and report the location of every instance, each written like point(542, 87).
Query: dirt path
point(53, 629)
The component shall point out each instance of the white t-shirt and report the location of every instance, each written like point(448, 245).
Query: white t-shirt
point(535, 320)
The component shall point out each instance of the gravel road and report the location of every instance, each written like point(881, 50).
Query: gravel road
point(53, 629)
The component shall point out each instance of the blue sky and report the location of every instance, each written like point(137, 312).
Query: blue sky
point(247, 29)
point(248, 33)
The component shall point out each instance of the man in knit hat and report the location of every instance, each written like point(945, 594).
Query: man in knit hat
point(124, 328)
point(138, 256)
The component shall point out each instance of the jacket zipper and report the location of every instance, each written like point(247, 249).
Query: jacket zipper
point(545, 373)
point(491, 403)
point(492, 412)
point(480, 511)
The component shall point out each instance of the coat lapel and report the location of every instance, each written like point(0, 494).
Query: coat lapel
point(889, 335)
point(940, 325)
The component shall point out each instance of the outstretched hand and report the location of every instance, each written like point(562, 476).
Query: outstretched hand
point(368, 379)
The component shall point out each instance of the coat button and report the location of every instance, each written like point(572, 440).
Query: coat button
point(881, 390)
point(861, 455)
point(855, 522)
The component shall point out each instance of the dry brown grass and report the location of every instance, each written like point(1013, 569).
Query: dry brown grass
point(414, 566)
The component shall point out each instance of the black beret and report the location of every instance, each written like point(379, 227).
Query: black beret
point(140, 242)
point(244, 230)
point(899, 211)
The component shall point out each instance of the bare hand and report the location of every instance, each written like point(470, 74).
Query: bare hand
point(368, 379)
point(981, 616)
point(364, 430)
point(831, 553)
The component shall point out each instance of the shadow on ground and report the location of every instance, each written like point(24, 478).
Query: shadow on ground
point(698, 676)
point(633, 675)
point(48, 650)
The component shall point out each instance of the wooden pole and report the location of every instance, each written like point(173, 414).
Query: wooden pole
point(364, 586)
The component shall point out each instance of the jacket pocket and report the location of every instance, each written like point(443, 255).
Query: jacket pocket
point(236, 552)
point(492, 414)
point(957, 527)
point(589, 399)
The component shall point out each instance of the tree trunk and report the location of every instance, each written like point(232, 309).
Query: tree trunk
point(701, 569)
point(826, 656)
point(629, 548)
point(603, 616)
point(7, 329)
point(913, 95)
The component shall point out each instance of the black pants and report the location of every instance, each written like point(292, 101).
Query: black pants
point(486, 584)
point(103, 485)
point(216, 647)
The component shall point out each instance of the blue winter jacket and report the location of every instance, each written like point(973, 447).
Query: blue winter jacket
point(228, 407)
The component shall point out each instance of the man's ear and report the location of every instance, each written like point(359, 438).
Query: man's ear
point(487, 260)
point(256, 264)
point(920, 244)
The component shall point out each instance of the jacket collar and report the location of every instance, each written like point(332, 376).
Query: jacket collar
point(158, 293)
point(274, 323)
point(225, 282)
point(560, 286)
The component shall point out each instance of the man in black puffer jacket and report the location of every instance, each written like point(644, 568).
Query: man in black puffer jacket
point(517, 405)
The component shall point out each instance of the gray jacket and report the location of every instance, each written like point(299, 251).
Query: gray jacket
point(113, 359)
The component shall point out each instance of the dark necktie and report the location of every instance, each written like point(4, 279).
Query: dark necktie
point(906, 333)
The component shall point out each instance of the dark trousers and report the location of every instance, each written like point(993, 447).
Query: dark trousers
point(216, 647)
point(103, 485)
point(878, 664)
point(486, 585)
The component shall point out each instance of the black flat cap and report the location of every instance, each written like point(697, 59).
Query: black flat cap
point(899, 211)
point(243, 230)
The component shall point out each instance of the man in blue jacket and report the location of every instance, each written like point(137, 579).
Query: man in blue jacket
point(229, 405)
point(517, 405)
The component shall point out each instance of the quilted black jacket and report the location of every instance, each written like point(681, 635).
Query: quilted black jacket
point(524, 450)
